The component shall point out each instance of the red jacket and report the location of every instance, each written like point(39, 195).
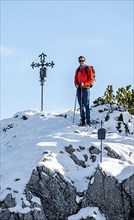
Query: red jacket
point(82, 77)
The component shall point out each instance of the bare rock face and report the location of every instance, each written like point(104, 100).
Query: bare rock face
point(9, 202)
point(58, 197)
point(112, 153)
point(113, 198)
point(32, 215)
point(94, 150)
point(128, 187)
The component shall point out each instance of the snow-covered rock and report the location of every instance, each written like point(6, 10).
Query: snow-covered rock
point(50, 167)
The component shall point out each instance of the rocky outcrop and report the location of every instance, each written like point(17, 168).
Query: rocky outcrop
point(33, 212)
point(112, 153)
point(58, 197)
point(77, 161)
point(113, 198)
point(128, 187)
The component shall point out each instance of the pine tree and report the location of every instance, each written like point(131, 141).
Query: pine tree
point(109, 97)
point(125, 98)
point(99, 101)
point(131, 103)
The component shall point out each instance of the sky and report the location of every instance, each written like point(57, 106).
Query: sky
point(102, 31)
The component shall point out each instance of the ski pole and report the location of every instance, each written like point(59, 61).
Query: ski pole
point(75, 106)
point(81, 101)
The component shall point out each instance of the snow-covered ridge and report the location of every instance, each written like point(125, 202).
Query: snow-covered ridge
point(32, 138)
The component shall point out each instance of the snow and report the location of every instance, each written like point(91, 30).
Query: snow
point(52, 163)
point(88, 211)
point(40, 139)
point(122, 169)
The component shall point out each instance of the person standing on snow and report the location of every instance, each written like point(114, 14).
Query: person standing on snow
point(83, 79)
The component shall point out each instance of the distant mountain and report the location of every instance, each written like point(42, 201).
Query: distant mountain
point(51, 169)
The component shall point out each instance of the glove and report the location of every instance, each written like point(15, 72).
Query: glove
point(82, 84)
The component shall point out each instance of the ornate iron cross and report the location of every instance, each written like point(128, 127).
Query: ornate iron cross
point(42, 62)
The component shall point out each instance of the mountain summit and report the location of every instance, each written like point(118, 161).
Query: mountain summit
point(51, 170)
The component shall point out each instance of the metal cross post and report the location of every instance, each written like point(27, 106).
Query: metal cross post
point(43, 72)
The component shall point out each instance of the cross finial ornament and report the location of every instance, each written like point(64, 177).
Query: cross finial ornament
point(42, 62)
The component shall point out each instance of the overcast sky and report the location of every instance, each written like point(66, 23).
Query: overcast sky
point(102, 31)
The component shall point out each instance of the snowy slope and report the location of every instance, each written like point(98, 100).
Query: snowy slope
point(31, 138)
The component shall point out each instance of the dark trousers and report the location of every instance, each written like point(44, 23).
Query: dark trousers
point(83, 95)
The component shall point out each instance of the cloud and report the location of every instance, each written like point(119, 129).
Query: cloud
point(5, 51)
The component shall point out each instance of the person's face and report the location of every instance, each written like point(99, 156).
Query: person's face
point(81, 61)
